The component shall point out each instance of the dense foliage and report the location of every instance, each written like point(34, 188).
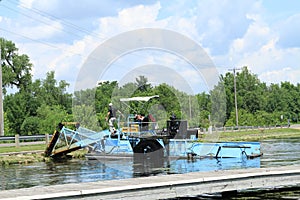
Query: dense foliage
point(36, 107)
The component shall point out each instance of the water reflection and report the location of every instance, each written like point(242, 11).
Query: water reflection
point(280, 152)
point(76, 171)
point(276, 153)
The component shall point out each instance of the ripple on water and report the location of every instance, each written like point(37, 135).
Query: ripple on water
point(276, 153)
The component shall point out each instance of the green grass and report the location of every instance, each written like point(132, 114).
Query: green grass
point(23, 159)
point(30, 158)
point(259, 135)
point(22, 148)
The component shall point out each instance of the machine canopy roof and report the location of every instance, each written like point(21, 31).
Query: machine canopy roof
point(138, 98)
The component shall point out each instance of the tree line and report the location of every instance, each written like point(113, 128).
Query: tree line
point(37, 106)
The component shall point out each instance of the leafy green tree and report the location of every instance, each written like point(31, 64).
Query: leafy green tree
point(274, 98)
point(263, 118)
point(85, 97)
point(249, 91)
point(52, 92)
point(30, 126)
point(228, 82)
point(126, 91)
point(7, 129)
point(49, 117)
point(37, 106)
point(168, 99)
point(95, 101)
point(142, 84)
point(105, 95)
point(291, 99)
point(15, 68)
point(15, 106)
point(86, 116)
point(204, 109)
point(21, 106)
point(218, 104)
point(15, 74)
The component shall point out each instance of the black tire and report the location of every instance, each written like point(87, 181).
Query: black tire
point(149, 147)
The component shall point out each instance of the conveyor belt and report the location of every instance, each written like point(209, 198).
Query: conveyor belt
point(52, 143)
point(64, 151)
point(73, 140)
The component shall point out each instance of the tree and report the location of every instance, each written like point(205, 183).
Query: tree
point(15, 107)
point(218, 104)
point(22, 107)
point(204, 109)
point(52, 92)
point(31, 126)
point(142, 84)
point(227, 81)
point(279, 100)
point(15, 68)
point(49, 117)
point(168, 99)
point(7, 129)
point(105, 95)
point(249, 91)
point(291, 100)
point(86, 116)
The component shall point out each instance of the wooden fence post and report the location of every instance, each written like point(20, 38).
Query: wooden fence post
point(47, 138)
point(17, 140)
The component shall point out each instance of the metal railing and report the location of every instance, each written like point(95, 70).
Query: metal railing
point(241, 128)
point(19, 140)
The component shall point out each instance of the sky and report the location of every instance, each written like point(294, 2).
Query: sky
point(65, 36)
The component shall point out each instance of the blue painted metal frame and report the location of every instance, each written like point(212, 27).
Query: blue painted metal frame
point(103, 142)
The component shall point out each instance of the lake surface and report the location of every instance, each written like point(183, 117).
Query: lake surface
point(276, 153)
point(280, 152)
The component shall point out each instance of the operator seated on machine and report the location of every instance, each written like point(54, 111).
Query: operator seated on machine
point(143, 122)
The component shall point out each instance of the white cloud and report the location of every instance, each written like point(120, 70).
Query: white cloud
point(270, 63)
point(289, 31)
point(226, 29)
point(40, 56)
point(91, 9)
point(129, 19)
point(270, 58)
point(26, 3)
point(220, 22)
point(257, 35)
point(42, 31)
point(285, 74)
point(66, 59)
point(259, 49)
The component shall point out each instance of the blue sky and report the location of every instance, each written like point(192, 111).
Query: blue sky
point(60, 35)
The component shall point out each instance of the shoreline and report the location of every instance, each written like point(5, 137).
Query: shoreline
point(26, 157)
point(32, 157)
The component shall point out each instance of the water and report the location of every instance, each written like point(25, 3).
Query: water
point(280, 152)
point(76, 171)
point(276, 153)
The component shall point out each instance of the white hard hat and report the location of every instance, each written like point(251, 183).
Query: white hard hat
point(110, 104)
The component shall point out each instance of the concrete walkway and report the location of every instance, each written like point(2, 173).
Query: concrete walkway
point(295, 126)
point(165, 186)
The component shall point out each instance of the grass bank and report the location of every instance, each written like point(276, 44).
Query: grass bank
point(29, 154)
point(22, 159)
point(254, 135)
point(36, 147)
